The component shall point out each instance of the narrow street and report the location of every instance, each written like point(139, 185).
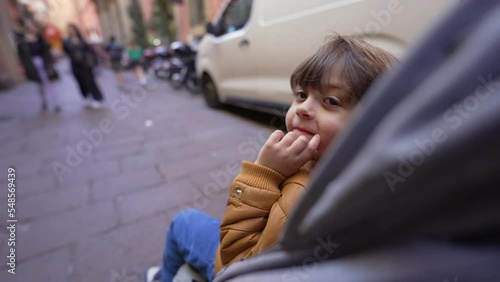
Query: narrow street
point(96, 189)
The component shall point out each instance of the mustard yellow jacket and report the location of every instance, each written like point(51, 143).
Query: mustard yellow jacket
point(259, 203)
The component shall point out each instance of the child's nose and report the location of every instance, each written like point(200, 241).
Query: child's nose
point(305, 110)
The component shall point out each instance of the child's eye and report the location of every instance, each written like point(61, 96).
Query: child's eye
point(300, 95)
point(332, 101)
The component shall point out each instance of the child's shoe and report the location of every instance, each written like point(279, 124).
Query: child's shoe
point(153, 274)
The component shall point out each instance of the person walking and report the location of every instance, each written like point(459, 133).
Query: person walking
point(83, 60)
point(135, 56)
point(34, 54)
point(115, 53)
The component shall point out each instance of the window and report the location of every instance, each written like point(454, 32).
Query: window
point(236, 15)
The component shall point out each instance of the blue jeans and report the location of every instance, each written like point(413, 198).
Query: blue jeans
point(192, 238)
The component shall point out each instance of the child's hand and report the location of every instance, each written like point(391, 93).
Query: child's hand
point(287, 153)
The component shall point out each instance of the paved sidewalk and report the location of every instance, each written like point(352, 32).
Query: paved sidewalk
point(96, 189)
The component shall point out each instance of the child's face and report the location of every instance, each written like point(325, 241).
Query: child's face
point(325, 114)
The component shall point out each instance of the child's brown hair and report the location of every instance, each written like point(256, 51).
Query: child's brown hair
point(360, 64)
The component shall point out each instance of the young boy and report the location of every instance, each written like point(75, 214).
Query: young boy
point(326, 87)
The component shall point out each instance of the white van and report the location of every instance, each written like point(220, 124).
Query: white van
point(252, 47)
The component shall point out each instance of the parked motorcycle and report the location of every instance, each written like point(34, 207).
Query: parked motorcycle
point(148, 55)
point(182, 71)
point(160, 64)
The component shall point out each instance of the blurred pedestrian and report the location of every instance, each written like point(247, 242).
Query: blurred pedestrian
point(136, 59)
point(35, 56)
point(115, 53)
point(83, 60)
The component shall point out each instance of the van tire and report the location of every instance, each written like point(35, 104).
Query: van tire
point(210, 93)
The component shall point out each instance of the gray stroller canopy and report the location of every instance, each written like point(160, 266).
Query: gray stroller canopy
point(410, 192)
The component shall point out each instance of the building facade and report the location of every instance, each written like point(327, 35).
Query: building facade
point(191, 16)
point(10, 70)
point(114, 19)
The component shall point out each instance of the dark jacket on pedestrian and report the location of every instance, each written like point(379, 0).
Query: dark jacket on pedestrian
point(114, 51)
point(27, 50)
point(83, 59)
point(80, 54)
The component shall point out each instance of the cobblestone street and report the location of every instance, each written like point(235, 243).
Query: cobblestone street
point(96, 189)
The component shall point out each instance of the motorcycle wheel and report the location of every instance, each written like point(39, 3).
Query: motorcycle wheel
point(176, 80)
point(193, 85)
point(162, 74)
